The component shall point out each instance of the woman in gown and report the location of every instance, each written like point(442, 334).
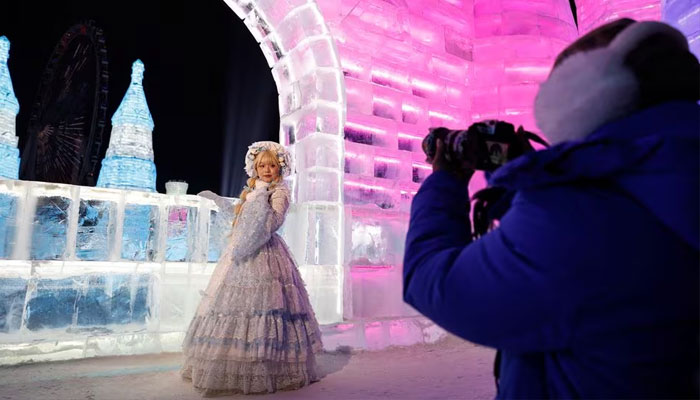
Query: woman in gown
point(254, 330)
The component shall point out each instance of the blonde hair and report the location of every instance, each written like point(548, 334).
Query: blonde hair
point(267, 155)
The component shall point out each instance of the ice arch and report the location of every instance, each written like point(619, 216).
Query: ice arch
point(359, 83)
point(299, 49)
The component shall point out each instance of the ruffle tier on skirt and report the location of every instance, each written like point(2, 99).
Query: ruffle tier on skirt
point(255, 331)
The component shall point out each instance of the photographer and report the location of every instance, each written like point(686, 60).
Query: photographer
point(589, 286)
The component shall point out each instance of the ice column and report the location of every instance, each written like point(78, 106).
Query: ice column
point(685, 16)
point(593, 13)
point(9, 107)
point(128, 163)
point(298, 47)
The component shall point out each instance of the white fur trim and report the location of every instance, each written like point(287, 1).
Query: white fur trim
point(589, 89)
point(630, 37)
point(584, 92)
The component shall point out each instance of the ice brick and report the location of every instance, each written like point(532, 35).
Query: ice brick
point(414, 110)
point(96, 224)
point(324, 284)
point(50, 228)
point(377, 293)
point(359, 190)
point(88, 300)
point(322, 224)
point(13, 291)
point(8, 224)
point(182, 231)
point(140, 230)
point(359, 159)
point(319, 185)
point(371, 130)
point(319, 150)
point(386, 102)
point(411, 137)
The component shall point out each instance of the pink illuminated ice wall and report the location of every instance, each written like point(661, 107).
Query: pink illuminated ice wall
point(409, 66)
point(360, 83)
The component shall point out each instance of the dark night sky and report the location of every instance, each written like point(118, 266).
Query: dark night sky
point(208, 86)
point(204, 71)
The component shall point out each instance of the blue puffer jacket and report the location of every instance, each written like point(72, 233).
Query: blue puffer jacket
point(590, 285)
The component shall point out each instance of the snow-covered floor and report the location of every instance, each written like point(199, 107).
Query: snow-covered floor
point(449, 369)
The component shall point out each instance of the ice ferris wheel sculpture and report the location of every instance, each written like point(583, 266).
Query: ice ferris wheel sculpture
point(64, 136)
point(129, 160)
point(9, 107)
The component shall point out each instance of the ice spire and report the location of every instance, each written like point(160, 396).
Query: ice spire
point(128, 163)
point(9, 107)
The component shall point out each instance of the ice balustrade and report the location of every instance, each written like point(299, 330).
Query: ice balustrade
point(83, 265)
point(98, 266)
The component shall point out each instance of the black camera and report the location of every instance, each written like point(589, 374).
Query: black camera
point(484, 146)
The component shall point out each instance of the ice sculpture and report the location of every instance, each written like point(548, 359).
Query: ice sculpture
point(128, 163)
point(118, 272)
point(114, 271)
point(685, 16)
point(9, 107)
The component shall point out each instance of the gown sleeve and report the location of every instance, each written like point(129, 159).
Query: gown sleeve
point(259, 219)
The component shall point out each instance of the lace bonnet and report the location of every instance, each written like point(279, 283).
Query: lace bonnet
point(283, 157)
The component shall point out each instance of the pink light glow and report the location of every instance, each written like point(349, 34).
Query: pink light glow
point(387, 160)
point(423, 167)
point(424, 84)
point(365, 128)
point(409, 108)
point(441, 115)
point(364, 186)
point(384, 101)
point(371, 267)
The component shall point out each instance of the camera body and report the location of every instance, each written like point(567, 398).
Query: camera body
point(484, 146)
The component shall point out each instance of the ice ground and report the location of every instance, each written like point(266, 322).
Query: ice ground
point(449, 369)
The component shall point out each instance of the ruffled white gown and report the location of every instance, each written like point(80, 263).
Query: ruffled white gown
point(254, 330)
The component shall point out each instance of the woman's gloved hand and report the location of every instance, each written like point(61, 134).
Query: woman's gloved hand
point(218, 200)
point(260, 188)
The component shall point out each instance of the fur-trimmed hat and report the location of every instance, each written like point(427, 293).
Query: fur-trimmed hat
point(611, 72)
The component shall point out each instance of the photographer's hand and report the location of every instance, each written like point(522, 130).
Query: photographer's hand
point(441, 163)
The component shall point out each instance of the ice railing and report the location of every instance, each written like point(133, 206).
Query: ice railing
point(82, 265)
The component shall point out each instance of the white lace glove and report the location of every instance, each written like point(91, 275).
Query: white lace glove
point(260, 188)
point(218, 200)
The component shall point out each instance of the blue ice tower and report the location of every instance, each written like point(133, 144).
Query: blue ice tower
point(128, 163)
point(9, 107)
